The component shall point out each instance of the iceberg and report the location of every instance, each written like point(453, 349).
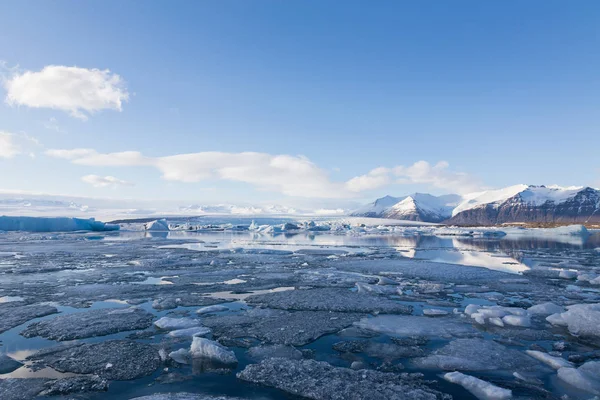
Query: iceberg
point(53, 224)
point(160, 225)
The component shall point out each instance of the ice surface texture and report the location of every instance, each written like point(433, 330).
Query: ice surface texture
point(328, 299)
point(90, 323)
point(321, 381)
point(481, 389)
point(113, 359)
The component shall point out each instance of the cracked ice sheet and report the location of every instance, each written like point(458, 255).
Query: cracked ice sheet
point(329, 299)
point(319, 380)
point(112, 359)
point(90, 323)
point(280, 327)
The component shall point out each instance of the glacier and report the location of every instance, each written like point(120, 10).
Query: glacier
point(53, 224)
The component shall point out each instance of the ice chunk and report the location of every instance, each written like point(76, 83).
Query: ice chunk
point(208, 349)
point(586, 377)
point(498, 315)
point(475, 355)
point(408, 325)
point(545, 309)
point(169, 323)
point(90, 323)
point(517, 320)
point(552, 361)
point(181, 356)
point(211, 309)
point(580, 319)
point(481, 389)
point(434, 312)
point(160, 225)
point(319, 380)
point(75, 384)
point(53, 224)
point(567, 274)
point(190, 332)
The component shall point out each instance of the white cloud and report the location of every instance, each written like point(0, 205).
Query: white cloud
point(78, 91)
point(72, 154)
point(375, 179)
point(291, 175)
point(13, 144)
point(8, 147)
point(105, 181)
point(438, 176)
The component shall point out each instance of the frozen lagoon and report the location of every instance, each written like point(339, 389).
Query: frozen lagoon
point(358, 304)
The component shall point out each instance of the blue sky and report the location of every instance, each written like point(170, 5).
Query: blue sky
point(366, 98)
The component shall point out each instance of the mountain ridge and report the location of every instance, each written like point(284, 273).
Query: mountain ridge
point(513, 204)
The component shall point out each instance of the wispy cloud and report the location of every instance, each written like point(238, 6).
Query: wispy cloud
point(14, 144)
point(105, 181)
point(78, 91)
point(291, 175)
point(52, 124)
point(438, 175)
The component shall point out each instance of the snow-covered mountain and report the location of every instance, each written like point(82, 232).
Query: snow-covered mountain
point(415, 207)
point(519, 203)
point(533, 204)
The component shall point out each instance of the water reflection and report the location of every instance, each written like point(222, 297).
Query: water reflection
point(502, 254)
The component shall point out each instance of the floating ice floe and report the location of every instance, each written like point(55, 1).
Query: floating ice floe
point(552, 361)
point(169, 323)
point(329, 299)
point(592, 279)
point(476, 355)
point(580, 319)
point(319, 380)
point(211, 309)
point(112, 359)
point(434, 312)
point(479, 388)
point(586, 377)
point(90, 323)
point(12, 316)
point(212, 350)
point(409, 325)
point(190, 332)
point(498, 315)
point(545, 309)
point(53, 224)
